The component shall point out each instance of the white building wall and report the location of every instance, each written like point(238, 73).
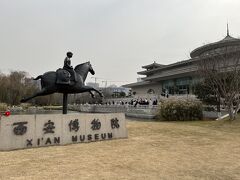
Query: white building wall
point(142, 91)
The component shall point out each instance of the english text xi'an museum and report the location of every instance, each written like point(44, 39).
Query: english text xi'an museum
point(181, 77)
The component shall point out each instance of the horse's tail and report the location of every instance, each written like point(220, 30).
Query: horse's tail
point(39, 77)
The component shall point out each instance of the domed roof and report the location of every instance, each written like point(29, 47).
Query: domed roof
point(227, 41)
point(229, 38)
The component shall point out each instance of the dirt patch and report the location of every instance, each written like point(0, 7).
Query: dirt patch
point(154, 150)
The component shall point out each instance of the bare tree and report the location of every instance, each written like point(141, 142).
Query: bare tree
point(15, 86)
point(220, 70)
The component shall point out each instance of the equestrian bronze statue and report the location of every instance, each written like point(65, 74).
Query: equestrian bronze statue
point(62, 81)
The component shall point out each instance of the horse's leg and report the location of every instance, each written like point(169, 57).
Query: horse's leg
point(89, 88)
point(43, 92)
point(93, 96)
point(100, 94)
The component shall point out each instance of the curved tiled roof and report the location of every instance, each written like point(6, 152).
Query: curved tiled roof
point(178, 63)
point(136, 84)
point(154, 64)
point(227, 41)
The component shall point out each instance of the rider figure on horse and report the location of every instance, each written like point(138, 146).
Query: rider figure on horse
point(67, 66)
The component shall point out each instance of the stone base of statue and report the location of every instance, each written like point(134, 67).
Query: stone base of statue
point(28, 131)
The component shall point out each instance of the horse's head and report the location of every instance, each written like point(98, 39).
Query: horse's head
point(83, 69)
point(90, 68)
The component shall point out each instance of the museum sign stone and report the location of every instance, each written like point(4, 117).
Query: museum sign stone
point(27, 131)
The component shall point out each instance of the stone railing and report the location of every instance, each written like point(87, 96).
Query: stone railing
point(95, 108)
point(140, 111)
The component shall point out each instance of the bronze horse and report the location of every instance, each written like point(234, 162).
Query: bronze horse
point(49, 85)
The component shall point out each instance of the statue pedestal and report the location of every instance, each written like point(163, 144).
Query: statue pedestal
point(28, 131)
point(65, 103)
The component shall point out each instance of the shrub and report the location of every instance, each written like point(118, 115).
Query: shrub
point(3, 107)
point(180, 109)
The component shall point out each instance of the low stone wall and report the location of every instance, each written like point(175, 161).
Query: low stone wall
point(147, 112)
point(214, 114)
point(98, 108)
point(27, 131)
point(140, 111)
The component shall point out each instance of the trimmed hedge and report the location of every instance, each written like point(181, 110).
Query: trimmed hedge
point(181, 109)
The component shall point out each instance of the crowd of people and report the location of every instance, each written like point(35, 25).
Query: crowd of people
point(134, 102)
point(144, 102)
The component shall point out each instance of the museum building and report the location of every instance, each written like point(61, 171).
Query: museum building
point(181, 77)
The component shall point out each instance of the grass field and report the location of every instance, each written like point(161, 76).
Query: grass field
point(154, 150)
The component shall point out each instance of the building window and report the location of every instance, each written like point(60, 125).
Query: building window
point(183, 89)
point(177, 86)
point(182, 85)
point(168, 87)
